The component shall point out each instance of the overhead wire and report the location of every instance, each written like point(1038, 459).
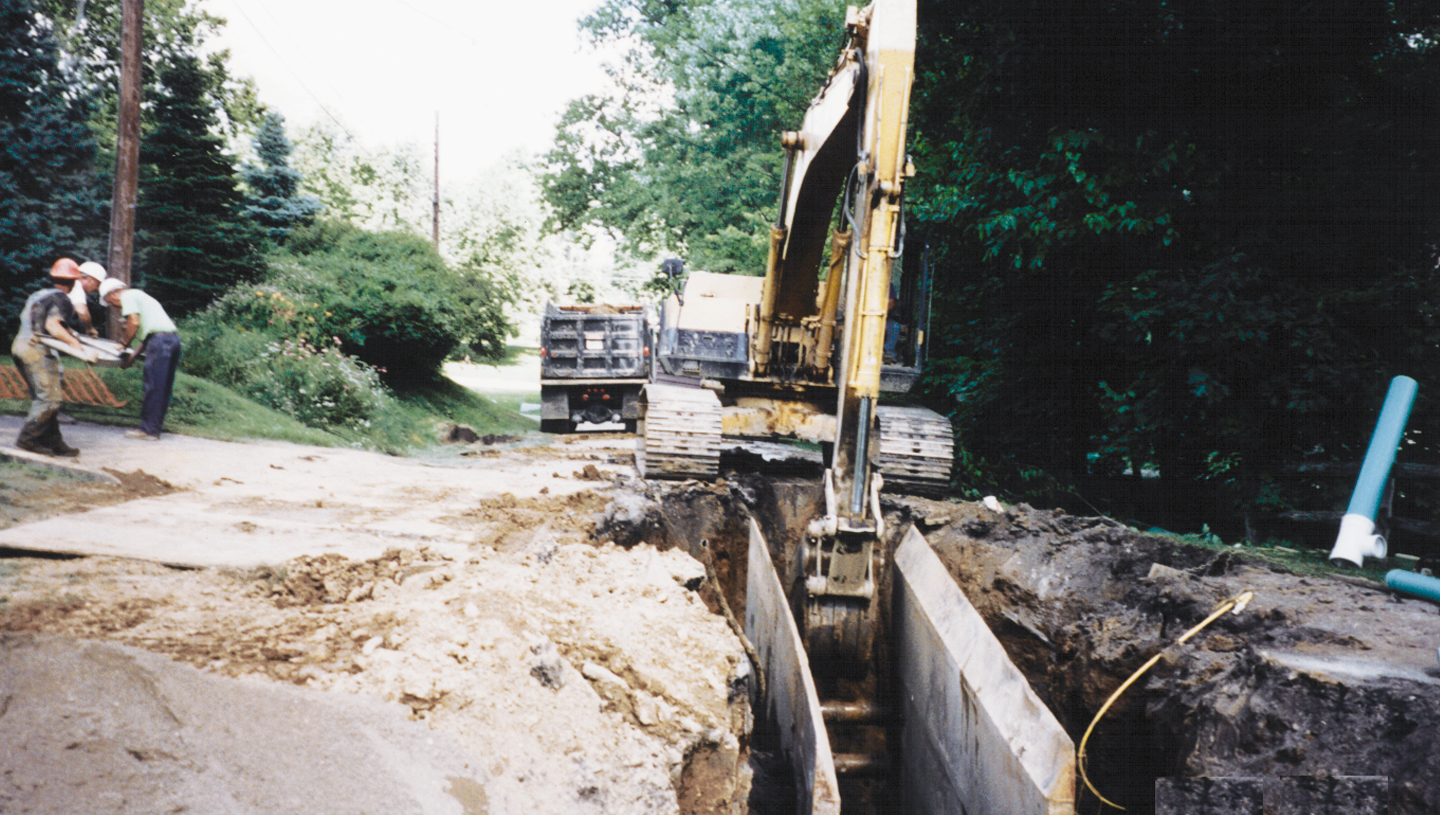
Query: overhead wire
point(445, 25)
point(301, 50)
point(290, 69)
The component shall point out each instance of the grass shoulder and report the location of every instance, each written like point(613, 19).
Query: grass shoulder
point(409, 420)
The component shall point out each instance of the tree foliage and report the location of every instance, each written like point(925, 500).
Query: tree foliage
point(684, 155)
point(48, 200)
point(375, 189)
point(272, 196)
point(194, 242)
point(1195, 236)
point(171, 29)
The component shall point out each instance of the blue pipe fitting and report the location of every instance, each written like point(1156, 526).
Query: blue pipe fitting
point(1357, 538)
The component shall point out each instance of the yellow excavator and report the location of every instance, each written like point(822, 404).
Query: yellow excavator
point(805, 352)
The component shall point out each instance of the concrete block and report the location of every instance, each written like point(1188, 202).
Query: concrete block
point(790, 695)
point(976, 738)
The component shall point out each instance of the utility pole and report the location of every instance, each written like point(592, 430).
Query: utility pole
point(127, 150)
point(435, 210)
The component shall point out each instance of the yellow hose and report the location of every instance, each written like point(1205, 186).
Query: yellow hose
point(1236, 604)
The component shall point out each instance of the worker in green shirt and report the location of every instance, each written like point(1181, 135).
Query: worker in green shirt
point(145, 319)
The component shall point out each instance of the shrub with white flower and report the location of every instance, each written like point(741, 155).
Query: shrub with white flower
point(319, 386)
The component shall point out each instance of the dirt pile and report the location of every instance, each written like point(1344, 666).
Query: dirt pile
point(577, 677)
point(1318, 676)
point(30, 493)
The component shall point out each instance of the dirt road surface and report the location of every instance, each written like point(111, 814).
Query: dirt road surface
point(356, 633)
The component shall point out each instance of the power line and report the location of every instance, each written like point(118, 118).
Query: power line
point(300, 49)
point(447, 26)
point(291, 70)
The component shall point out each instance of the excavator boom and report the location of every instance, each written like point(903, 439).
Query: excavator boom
point(801, 352)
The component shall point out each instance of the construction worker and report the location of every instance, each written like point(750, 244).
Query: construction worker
point(145, 319)
point(48, 312)
point(79, 296)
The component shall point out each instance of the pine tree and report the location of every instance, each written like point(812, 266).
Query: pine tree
point(195, 243)
point(273, 200)
point(50, 203)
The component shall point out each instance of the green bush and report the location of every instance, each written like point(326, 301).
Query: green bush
point(335, 311)
point(321, 387)
point(267, 344)
point(388, 297)
point(312, 381)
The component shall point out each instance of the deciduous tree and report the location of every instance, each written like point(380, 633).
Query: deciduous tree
point(1198, 236)
point(684, 155)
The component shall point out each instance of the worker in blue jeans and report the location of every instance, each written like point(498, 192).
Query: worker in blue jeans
point(145, 319)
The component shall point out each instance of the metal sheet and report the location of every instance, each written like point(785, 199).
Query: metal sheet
point(976, 739)
point(790, 690)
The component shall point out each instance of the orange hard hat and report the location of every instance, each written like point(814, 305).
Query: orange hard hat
point(66, 269)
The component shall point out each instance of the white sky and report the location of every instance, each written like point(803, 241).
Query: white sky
point(498, 73)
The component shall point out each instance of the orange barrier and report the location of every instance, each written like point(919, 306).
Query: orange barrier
point(80, 386)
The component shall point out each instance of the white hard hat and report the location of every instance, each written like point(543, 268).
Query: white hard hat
point(110, 285)
point(93, 269)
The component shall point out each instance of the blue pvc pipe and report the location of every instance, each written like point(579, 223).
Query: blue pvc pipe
point(1413, 583)
point(1380, 457)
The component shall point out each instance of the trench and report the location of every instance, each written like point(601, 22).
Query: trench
point(859, 706)
point(1071, 601)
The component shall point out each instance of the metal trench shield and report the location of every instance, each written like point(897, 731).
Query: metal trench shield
point(789, 689)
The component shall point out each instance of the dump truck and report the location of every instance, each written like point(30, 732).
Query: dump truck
point(594, 360)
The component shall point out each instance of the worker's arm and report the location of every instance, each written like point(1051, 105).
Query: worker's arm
point(55, 327)
point(129, 359)
point(83, 309)
point(129, 329)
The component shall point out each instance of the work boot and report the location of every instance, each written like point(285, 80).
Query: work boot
point(63, 449)
point(34, 447)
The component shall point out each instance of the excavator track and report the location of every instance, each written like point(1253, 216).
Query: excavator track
point(916, 449)
point(678, 433)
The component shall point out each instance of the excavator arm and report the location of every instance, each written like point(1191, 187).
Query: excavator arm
point(852, 139)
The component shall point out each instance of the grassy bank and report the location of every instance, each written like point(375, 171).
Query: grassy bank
point(410, 421)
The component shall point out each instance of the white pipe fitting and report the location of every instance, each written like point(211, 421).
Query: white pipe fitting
point(1357, 540)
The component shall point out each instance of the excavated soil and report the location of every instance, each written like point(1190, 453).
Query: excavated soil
point(1320, 675)
point(579, 655)
point(563, 673)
